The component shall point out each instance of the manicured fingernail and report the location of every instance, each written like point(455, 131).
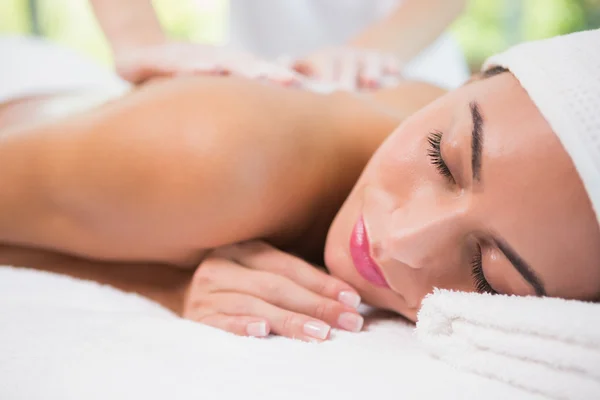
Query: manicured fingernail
point(350, 299)
point(317, 329)
point(257, 329)
point(351, 322)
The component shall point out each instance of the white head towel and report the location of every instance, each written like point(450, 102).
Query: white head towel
point(562, 77)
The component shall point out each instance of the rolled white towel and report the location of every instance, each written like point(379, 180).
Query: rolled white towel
point(544, 345)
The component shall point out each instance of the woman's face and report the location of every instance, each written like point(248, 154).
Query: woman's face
point(472, 193)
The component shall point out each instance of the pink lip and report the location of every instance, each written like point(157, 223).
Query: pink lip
point(361, 255)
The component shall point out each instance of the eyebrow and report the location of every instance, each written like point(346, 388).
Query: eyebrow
point(522, 267)
point(476, 140)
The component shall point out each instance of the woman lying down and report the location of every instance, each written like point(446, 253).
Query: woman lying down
point(216, 196)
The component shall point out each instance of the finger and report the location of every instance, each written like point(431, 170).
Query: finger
point(246, 70)
point(209, 68)
point(327, 67)
point(288, 295)
point(281, 322)
point(141, 76)
point(304, 68)
point(197, 72)
point(288, 76)
point(259, 255)
point(348, 71)
point(372, 71)
point(140, 66)
point(278, 74)
point(392, 66)
point(134, 73)
point(139, 70)
point(238, 325)
point(283, 293)
point(392, 72)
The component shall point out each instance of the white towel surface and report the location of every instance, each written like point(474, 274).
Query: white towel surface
point(544, 345)
point(36, 67)
point(66, 339)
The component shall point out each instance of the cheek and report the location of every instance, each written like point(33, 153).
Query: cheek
point(399, 164)
point(392, 169)
point(401, 161)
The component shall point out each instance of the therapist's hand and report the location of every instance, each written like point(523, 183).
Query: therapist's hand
point(253, 289)
point(168, 59)
point(351, 68)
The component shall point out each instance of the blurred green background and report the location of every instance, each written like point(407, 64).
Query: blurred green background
point(487, 26)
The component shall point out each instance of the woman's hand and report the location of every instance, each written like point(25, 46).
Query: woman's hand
point(351, 68)
point(253, 289)
point(168, 59)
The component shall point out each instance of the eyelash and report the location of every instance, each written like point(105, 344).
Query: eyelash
point(481, 284)
point(435, 155)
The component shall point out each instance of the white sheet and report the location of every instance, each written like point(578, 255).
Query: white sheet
point(67, 339)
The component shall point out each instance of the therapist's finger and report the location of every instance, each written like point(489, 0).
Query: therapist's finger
point(305, 68)
point(327, 68)
point(372, 70)
point(201, 69)
point(348, 69)
point(392, 66)
point(267, 71)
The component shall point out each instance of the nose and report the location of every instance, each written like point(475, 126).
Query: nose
point(426, 230)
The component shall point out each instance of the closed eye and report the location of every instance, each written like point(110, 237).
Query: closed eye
point(435, 155)
point(481, 283)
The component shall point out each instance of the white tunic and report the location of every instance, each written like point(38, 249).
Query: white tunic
point(271, 28)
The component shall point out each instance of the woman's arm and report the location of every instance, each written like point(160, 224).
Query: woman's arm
point(238, 289)
point(414, 25)
point(165, 285)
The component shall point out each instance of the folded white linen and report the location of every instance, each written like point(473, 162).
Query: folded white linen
point(32, 66)
point(545, 345)
point(62, 338)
